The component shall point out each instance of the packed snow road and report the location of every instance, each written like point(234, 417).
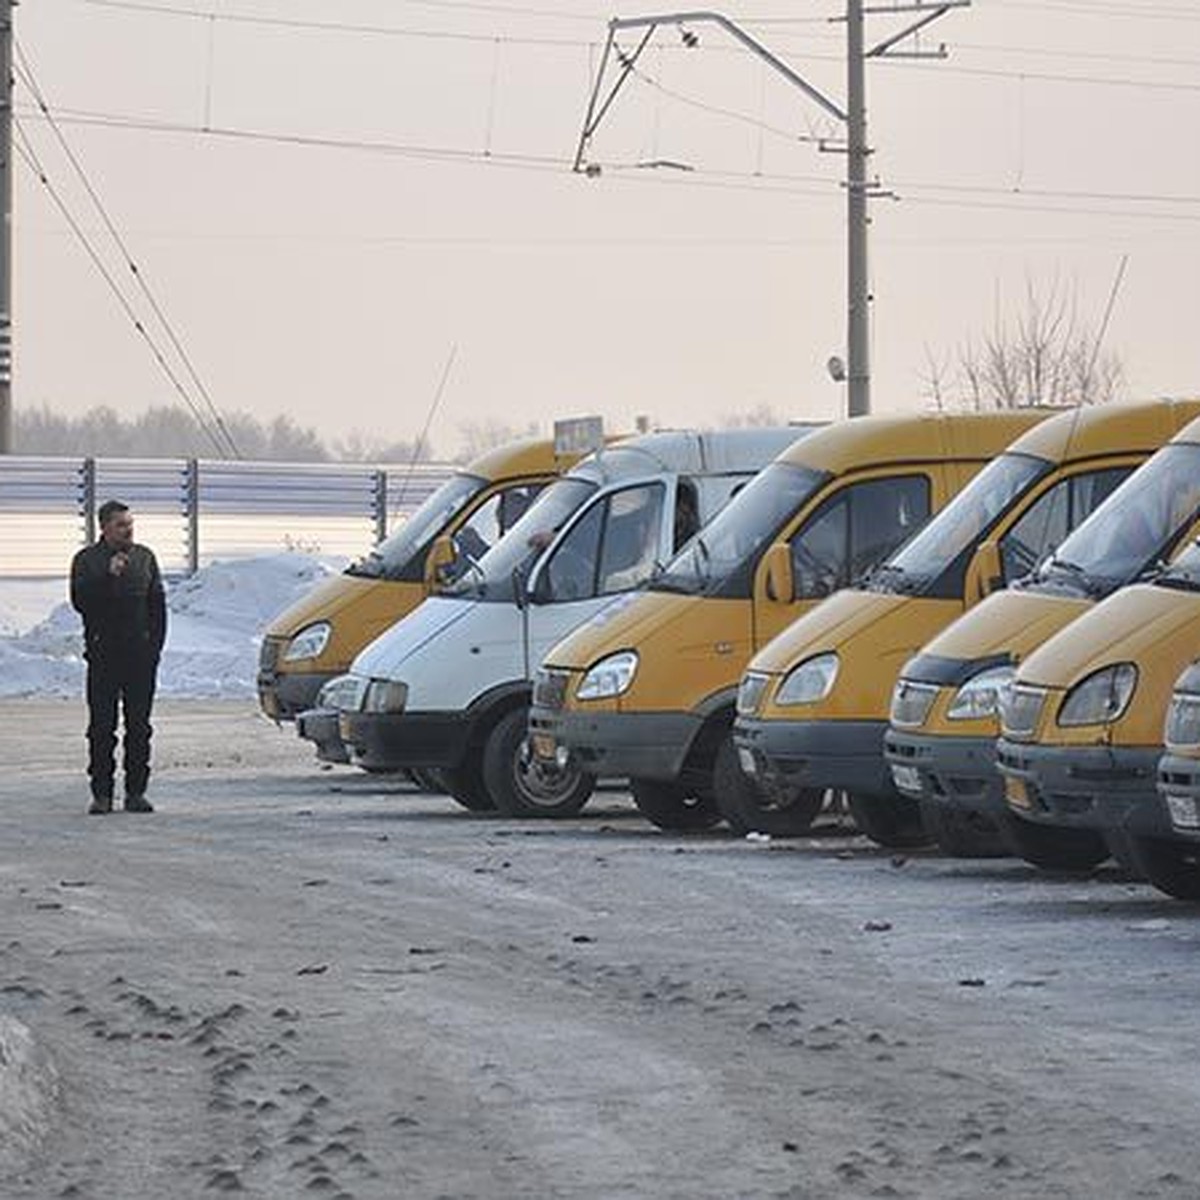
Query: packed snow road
point(290, 981)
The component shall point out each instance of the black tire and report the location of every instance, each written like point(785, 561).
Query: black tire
point(1171, 866)
point(894, 821)
point(670, 806)
point(519, 785)
point(1051, 847)
point(465, 784)
point(747, 808)
point(962, 834)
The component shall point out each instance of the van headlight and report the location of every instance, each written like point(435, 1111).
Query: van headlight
point(310, 642)
point(611, 676)
point(809, 682)
point(343, 692)
point(750, 693)
point(979, 697)
point(385, 696)
point(1183, 720)
point(1102, 697)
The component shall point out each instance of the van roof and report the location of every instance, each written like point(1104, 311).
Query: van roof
point(694, 452)
point(527, 456)
point(1087, 432)
point(1190, 433)
point(911, 437)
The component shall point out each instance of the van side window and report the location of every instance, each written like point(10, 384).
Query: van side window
point(631, 538)
point(855, 530)
point(571, 573)
point(1056, 512)
point(687, 514)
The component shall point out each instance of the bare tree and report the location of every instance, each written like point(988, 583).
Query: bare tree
point(1044, 354)
point(760, 416)
point(477, 437)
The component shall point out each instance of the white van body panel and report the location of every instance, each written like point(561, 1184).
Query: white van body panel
point(451, 650)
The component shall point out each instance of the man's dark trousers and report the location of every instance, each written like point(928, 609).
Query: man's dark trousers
point(123, 680)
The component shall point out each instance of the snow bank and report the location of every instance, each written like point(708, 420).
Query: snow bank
point(212, 638)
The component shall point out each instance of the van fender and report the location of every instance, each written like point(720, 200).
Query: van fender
point(716, 713)
point(491, 706)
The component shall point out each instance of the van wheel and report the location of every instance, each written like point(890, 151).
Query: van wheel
point(465, 784)
point(893, 821)
point(520, 785)
point(962, 834)
point(1053, 848)
point(747, 808)
point(1173, 867)
point(671, 807)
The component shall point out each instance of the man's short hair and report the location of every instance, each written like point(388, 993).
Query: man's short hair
point(109, 509)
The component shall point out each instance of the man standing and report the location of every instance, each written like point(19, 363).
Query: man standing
point(116, 586)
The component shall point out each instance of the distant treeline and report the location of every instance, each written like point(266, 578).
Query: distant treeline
point(172, 433)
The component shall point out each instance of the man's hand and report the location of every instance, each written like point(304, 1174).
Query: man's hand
point(118, 563)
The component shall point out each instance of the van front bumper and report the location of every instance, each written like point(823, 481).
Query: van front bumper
point(283, 696)
point(395, 741)
point(958, 772)
point(642, 745)
point(1179, 791)
point(1109, 789)
point(320, 726)
point(815, 754)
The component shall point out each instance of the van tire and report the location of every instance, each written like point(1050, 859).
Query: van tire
point(428, 780)
point(671, 807)
point(891, 821)
point(465, 784)
point(1051, 847)
point(1171, 866)
point(521, 788)
point(962, 834)
point(747, 808)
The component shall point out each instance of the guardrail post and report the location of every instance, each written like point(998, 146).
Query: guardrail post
point(191, 508)
point(87, 499)
point(379, 499)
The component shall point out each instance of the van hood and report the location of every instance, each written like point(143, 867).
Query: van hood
point(384, 656)
point(1009, 622)
point(1143, 624)
point(873, 634)
point(337, 596)
point(626, 623)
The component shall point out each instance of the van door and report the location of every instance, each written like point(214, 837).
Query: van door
point(613, 546)
point(835, 543)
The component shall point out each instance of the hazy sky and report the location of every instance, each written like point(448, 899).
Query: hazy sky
point(331, 281)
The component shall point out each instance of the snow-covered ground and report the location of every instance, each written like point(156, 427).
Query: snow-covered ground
point(212, 637)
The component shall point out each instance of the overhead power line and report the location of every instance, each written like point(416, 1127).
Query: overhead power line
point(29, 156)
point(24, 70)
point(1003, 198)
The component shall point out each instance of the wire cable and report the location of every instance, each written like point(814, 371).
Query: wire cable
point(29, 156)
point(24, 69)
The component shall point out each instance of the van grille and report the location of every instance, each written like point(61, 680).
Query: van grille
point(269, 653)
point(1021, 710)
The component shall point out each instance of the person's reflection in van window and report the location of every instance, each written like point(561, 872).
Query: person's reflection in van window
point(687, 514)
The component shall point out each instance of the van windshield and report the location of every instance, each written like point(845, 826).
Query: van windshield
point(720, 559)
point(491, 578)
point(402, 556)
point(951, 537)
point(1133, 529)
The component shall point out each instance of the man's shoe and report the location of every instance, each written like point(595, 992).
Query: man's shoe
point(100, 806)
point(138, 804)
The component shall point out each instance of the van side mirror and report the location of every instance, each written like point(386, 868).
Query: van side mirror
point(440, 558)
point(781, 583)
point(987, 571)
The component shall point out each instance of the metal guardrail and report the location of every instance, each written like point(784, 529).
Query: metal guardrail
point(192, 511)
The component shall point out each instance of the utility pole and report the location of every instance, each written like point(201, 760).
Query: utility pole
point(6, 194)
point(858, 312)
point(859, 189)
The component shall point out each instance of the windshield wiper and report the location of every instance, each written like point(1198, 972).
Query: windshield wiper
point(1089, 584)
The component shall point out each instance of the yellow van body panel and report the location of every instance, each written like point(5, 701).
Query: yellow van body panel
point(1108, 427)
point(1155, 628)
point(1009, 622)
point(873, 633)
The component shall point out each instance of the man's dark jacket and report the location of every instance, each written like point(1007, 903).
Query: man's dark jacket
point(123, 614)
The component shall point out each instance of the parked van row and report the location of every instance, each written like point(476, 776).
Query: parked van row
point(974, 627)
